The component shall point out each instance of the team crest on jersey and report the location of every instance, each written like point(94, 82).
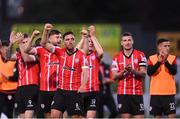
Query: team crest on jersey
point(136, 61)
point(76, 60)
point(93, 57)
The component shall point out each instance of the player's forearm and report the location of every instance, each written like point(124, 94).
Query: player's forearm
point(86, 46)
point(98, 47)
point(80, 44)
point(28, 45)
point(44, 38)
point(26, 57)
point(118, 75)
point(141, 74)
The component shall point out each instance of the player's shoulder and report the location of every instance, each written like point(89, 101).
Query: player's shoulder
point(80, 51)
point(60, 49)
point(39, 47)
point(118, 54)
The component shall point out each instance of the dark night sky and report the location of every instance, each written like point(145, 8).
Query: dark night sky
point(152, 14)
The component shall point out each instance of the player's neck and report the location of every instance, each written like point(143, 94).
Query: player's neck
point(128, 52)
point(70, 51)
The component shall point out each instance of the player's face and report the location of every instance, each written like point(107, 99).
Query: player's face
point(164, 47)
point(69, 41)
point(55, 39)
point(127, 42)
point(91, 44)
point(24, 41)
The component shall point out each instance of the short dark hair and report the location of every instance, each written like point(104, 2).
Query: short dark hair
point(26, 35)
point(67, 33)
point(54, 31)
point(126, 34)
point(37, 42)
point(162, 40)
point(5, 43)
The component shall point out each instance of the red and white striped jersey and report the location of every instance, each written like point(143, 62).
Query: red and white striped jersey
point(93, 72)
point(49, 69)
point(70, 68)
point(28, 71)
point(130, 84)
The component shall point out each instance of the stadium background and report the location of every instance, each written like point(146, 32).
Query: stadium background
point(147, 20)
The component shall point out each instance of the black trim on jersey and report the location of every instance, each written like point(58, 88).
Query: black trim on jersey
point(129, 55)
point(172, 68)
point(99, 58)
point(89, 53)
point(152, 69)
point(72, 52)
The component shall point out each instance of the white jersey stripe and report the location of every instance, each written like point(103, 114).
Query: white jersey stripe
point(124, 59)
point(72, 71)
point(132, 63)
point(90, 75)
point(62, 80)
point(47, 80)
point(20, 74)
point(57, 76)
point(84, 65)
point(26, 74)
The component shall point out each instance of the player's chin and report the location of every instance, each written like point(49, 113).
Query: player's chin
point(128, 48)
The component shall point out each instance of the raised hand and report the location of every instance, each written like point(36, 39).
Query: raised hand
point(165, 54)
point(84, 33)
point(92, 30)
point(48, 27)
point(35, 33)
point(18, 37)
point(12, 37)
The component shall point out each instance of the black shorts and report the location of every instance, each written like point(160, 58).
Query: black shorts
point(26, 98)
point(90, 101)
point(67, 100)
point(162, 105)
point(132, 104)
point(44, 101)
